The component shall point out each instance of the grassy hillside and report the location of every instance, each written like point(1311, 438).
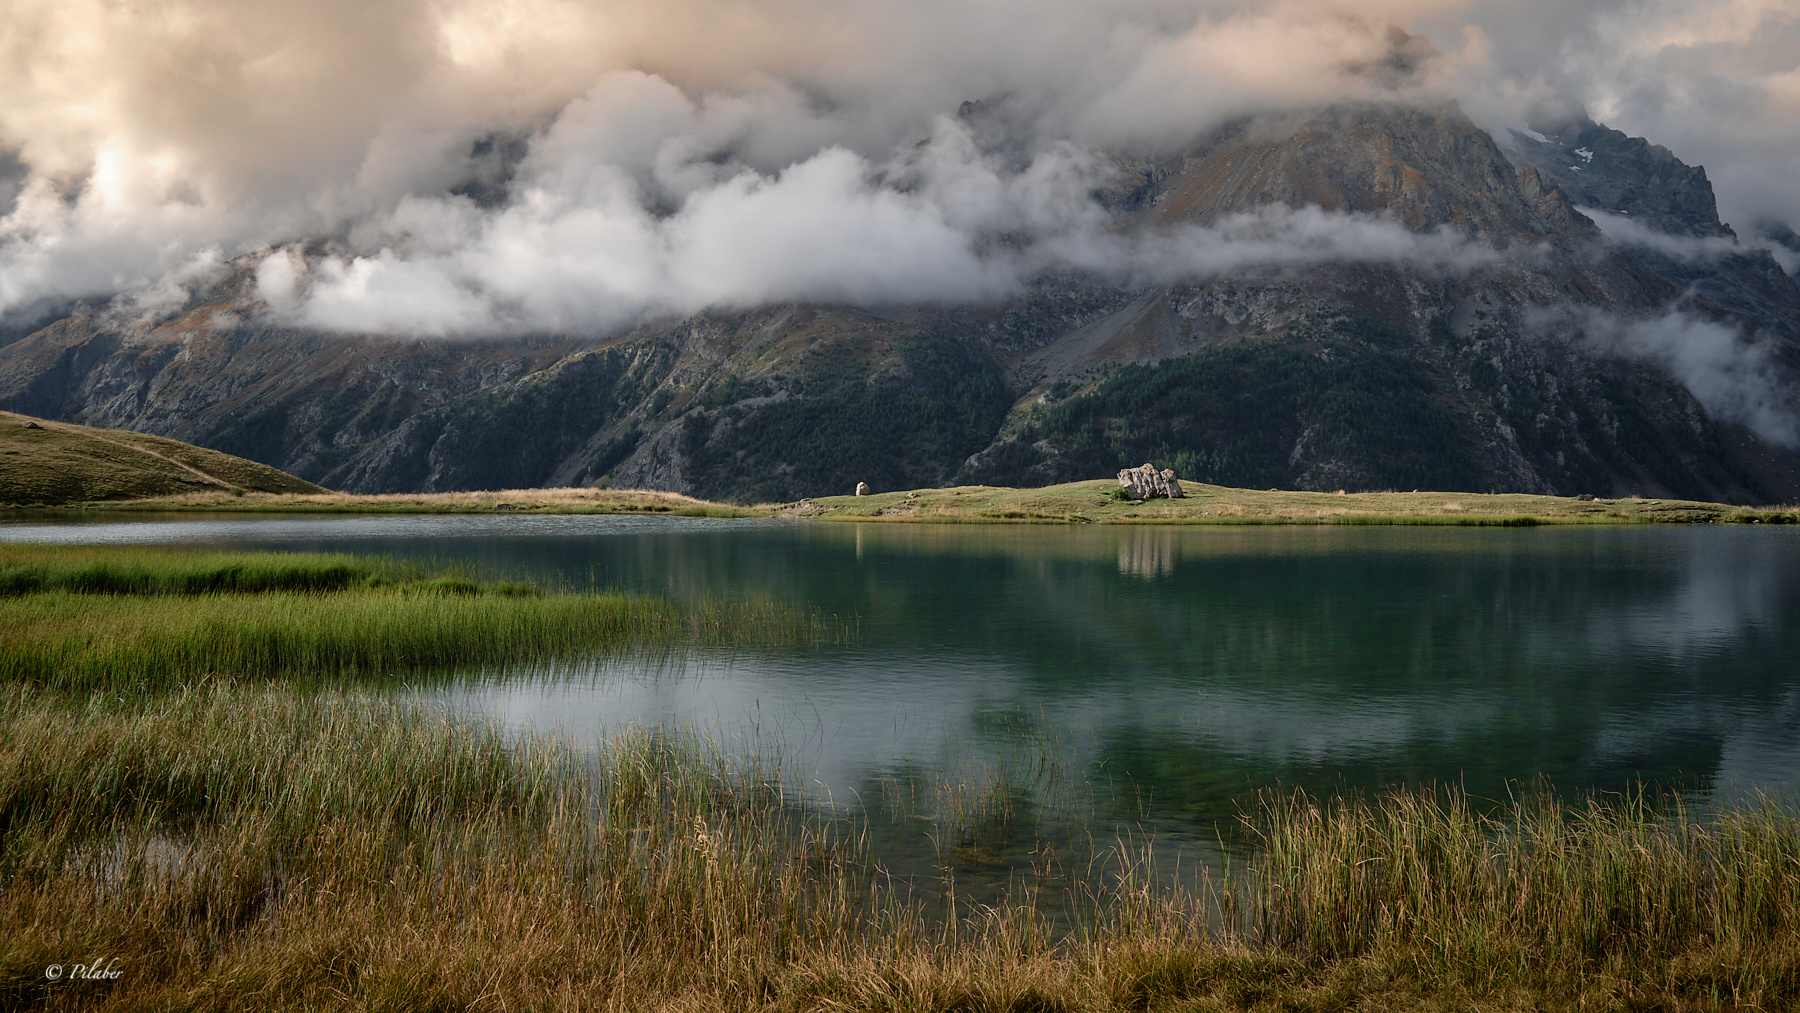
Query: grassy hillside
point(43, 462)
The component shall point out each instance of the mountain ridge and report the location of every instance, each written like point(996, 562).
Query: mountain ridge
point(787, 401)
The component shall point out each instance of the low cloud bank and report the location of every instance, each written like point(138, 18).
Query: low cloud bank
point(1628, 231)
point(581, 248)
point(1736, 379)
point(681, 153)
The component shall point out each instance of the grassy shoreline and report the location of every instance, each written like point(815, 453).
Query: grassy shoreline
point(1074, 503)
point(543, 501)
point(253, 847)
point(1094, 502)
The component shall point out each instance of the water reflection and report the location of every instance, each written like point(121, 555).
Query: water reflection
point(1174, 671)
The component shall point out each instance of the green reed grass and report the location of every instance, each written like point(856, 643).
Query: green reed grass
point(32, 569)
point(148, 620)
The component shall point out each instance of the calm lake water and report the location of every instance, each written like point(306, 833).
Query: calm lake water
point(1159, 677)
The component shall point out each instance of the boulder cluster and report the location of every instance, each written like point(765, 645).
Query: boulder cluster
point(1148, 483)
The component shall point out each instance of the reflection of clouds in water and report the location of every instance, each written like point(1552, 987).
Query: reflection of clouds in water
point(1289, 728)
point(836, 721)
point(833, 719)
point(1759, 748)
point(1762, 753)
point(842, 718)
point(1722, 584)
point(1661, 595)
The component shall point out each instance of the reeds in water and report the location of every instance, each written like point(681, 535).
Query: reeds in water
point(240, 848)
point(147, 620)
point(32, 569)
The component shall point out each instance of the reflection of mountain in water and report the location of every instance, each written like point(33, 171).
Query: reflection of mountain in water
point(1201, 664)
point(1209, 662)
point(1205, 663)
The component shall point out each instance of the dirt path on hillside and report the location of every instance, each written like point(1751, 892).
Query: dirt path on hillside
point(190, 469)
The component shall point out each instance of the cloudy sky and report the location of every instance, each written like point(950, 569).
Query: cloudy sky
point(675, 154)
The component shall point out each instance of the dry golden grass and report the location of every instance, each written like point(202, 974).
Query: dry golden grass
point(553, 501)
point(1085, 502)
point(233, 847)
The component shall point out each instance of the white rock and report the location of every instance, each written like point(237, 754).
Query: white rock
point(1148, 483)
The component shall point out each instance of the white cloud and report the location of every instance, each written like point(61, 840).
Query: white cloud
point(580, 250)
point(1628, 231)
point(1733, 378)
point(690, 152)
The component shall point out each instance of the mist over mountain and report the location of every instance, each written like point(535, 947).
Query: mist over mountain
point(768, 250)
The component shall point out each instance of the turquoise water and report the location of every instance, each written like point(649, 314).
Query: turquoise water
point(1158, 678)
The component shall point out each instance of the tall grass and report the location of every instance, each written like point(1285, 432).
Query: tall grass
point(253, 847)
point(83, 643)
point(147, 620)
point(146, 571)
point(1543, 893)
point(244, 846)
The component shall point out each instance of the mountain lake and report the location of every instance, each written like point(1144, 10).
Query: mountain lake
point(986, 691)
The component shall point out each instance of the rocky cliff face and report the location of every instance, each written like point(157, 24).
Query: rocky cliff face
point(1427, 167)
point(1410, 376)
point(1397, 375)
point(1595, 166)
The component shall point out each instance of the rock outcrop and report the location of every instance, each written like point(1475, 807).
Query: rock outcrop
point(1148, 483)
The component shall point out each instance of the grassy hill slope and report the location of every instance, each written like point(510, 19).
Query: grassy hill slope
point(43, 462)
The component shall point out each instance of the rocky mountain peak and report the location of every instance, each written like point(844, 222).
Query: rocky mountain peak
point(1429, 167)
point(1599, 167)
